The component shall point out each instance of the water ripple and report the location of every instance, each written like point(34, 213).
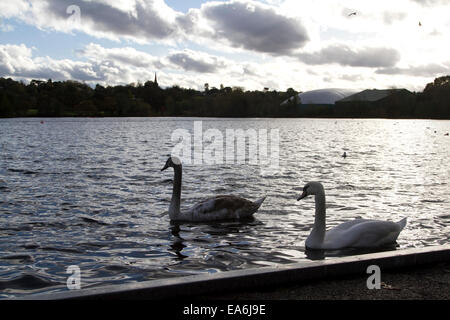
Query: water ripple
point(89, 192)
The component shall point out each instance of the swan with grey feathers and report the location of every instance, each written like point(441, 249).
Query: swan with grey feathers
point(224, 207)
point(358, 233)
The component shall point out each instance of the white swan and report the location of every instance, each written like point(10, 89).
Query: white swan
point(358, 233)
point(225, 207)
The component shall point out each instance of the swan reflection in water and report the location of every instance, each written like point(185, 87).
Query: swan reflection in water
point(321, 254)
point(177, 244)
point(205, 234)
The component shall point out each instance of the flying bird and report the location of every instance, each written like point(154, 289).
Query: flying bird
point(352, 14)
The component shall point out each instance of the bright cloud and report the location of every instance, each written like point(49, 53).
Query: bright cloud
point(18, 61)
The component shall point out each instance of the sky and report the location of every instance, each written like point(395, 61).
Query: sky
point(275, 44)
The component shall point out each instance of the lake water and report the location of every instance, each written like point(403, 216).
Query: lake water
point(89, 192)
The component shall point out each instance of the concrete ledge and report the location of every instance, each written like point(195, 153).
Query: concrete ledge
point(190, 286)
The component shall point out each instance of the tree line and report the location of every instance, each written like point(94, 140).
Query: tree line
point(75, 99)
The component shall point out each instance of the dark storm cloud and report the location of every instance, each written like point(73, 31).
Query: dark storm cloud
point(254, 27)
point(189, 63)
point(345, 56)
point(146, 22)
point(427, 70)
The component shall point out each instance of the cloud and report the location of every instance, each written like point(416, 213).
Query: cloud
point(187, 60)
point(242, 24)
point(346, 56)
point(426, 70)
point(351, 77)
point(15, 8)
point(390, 17)
point(126, 55)
point(191, 61)
point(112, 66)
point(18, 61)
point(250, 25)
point(12, 57)
point(139, 19)
point(120, 65)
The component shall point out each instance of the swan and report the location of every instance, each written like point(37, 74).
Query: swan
point(224, 207)
point(358, 233)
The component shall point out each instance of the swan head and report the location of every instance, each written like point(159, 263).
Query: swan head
point(172, 162)
point(311, 188)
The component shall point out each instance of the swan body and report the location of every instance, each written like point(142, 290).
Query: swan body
point(358, 233)
point(223, 207)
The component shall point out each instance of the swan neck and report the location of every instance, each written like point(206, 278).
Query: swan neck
point(320, 211)
point(174, 209)
point(317, 236)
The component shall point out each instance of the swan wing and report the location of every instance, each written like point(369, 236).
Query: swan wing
point(223, 207)
point(362, 233)
point(347, 225)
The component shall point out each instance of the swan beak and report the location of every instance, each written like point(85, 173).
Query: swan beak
point(165, 167)
point(303, 195)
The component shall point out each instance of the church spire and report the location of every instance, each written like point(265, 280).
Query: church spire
point(156, 80)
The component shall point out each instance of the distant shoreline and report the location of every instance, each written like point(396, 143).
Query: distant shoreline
point(74, 99)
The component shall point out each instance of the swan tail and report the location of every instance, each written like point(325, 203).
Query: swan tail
point(259, 202)
point(402, 223)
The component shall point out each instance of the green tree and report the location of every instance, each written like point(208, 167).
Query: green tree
point(6, 108)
